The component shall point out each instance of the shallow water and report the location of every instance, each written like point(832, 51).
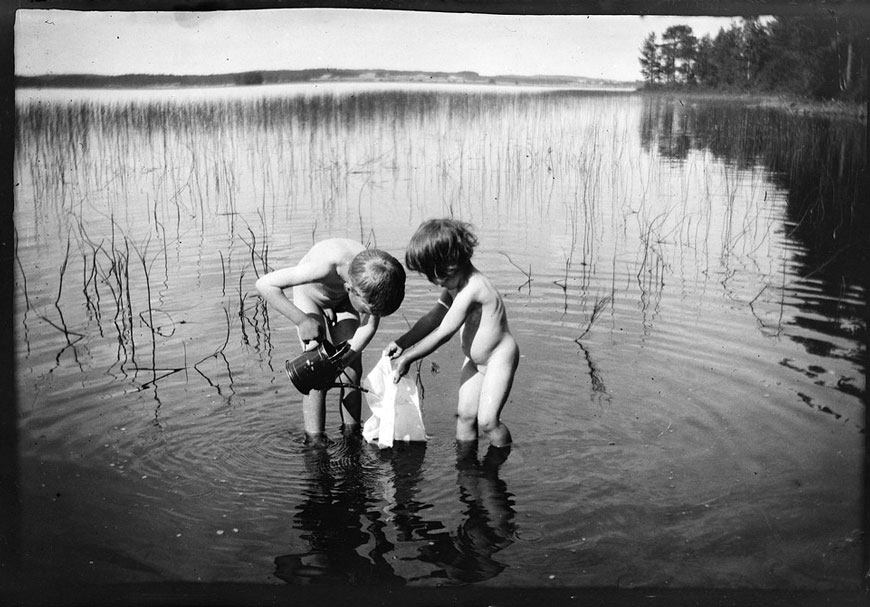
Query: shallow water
point(685, 282)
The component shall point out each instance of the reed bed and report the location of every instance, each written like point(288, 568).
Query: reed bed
point(166, 207)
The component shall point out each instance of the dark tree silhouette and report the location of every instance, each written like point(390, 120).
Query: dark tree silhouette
point(649, 59)
point(821, 56)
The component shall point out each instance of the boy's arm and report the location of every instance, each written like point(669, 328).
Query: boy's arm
point(361, 338)
point(271, 287)
point(450, 324)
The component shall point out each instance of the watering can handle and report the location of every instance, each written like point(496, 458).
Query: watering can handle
point(340, 350)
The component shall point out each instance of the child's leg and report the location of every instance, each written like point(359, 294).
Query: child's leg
point(497, 381)
point(466, 454)
point(470, 382)
point(345, 326)
point(314, 404)
point(314, 413)
point(352, 402)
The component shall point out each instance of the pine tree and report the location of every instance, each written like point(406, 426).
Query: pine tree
point(649, 60)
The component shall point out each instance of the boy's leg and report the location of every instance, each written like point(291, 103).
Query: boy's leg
point(313, 404)
point(314, 413)
point(496, 386)
point(345, 326)
point(470, 382)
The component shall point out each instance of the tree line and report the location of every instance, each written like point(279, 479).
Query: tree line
point(823, 57)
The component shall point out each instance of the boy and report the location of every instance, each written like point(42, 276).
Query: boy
point(442, 249)
point(340, 292)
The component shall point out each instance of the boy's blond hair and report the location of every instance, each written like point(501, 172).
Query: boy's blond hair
point(380, 279)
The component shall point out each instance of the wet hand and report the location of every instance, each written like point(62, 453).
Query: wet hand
point(400, 368)
point(311, 333)
point(393, 350)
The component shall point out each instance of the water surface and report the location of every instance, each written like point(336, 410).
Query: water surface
point(685, 281)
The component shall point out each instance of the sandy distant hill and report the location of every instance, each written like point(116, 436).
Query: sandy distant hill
point(316, 75)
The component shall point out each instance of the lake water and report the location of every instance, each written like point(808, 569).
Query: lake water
point(685, 280)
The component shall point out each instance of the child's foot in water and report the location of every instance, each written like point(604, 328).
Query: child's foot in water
point(466, 454)
point(495, 457)
point(315, 440)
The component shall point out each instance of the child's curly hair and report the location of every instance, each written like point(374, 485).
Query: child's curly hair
point(380, 279)
point(440, 247)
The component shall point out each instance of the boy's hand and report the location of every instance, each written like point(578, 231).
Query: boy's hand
point(393, 350)
point(400, 368)
point(310, 332)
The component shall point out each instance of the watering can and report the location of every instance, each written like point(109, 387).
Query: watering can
point(318, 369)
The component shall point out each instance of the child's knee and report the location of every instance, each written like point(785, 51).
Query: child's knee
point(488, 423)
point(466, 418)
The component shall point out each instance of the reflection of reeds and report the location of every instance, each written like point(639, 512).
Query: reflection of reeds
point(528, 274)
point(597, 308)
point(219, 353)
point(262, 254)
point(597, 380)
point(223, 275)
point(61, 324)
point(111, 264)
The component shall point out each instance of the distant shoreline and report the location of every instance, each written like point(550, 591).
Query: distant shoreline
point(256, 78)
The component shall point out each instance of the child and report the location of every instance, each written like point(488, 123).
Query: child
point(340, 292)
point(442, 249)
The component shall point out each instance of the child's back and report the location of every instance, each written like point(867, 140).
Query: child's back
point(341, 289)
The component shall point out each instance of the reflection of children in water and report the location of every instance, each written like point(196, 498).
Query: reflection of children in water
point(466, 556)
point(406, 462)
point(338, 500)
point(342, 512)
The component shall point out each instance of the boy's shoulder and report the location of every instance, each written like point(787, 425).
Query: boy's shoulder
point(339, 242)
point(335, 249)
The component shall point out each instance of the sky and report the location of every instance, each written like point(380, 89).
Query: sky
point(104, 42)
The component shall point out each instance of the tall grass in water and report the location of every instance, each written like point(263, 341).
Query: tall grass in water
point(181, 205)
point(129, 183)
